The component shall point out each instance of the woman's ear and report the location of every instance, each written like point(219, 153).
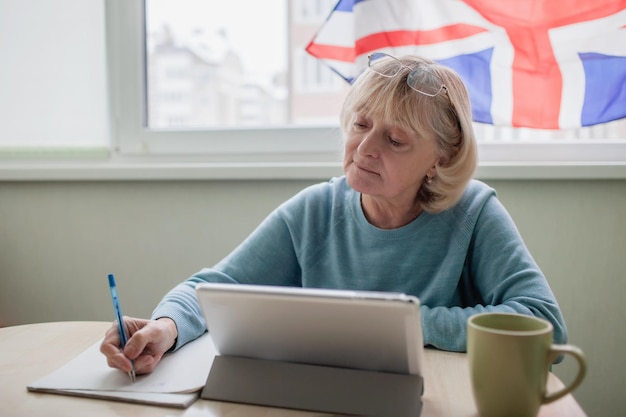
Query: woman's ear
point(432, 172)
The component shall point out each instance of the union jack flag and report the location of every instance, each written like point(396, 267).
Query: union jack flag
point(544, 64)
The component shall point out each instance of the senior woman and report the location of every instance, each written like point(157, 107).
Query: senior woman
point(406, 217)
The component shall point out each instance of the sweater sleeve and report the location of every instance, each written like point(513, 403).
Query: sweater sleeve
point(266, 257)
point(501, 270)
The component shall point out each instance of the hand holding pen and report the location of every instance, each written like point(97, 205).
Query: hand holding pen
point(142, 351)
point(123, 331)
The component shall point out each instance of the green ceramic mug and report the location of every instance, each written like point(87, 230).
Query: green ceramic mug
point(509, 357)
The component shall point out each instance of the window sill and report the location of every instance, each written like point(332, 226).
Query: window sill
point(189, 171)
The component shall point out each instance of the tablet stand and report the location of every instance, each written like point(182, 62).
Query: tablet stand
point(313, 387)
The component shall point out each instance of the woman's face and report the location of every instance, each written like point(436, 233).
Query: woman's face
point(385, 161)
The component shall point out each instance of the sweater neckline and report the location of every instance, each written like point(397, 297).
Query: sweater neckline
point(409, 229)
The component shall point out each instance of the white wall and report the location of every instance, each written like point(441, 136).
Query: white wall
point(53, 74)
point(58, 240)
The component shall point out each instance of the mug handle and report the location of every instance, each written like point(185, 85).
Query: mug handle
point(557, 350)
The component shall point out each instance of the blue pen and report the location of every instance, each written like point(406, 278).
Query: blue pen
point(120, 321)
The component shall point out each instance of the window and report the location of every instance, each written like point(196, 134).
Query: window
point(225, 112)
point(291, 134)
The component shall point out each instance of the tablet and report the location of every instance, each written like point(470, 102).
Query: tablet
point(375, 331)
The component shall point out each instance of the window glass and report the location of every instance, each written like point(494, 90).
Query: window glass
point(214, 64)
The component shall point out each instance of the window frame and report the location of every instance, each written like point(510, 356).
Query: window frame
point(280, 152)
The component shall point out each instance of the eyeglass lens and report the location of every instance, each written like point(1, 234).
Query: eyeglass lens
point(420, 79)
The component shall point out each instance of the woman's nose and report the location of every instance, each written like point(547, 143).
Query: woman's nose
point(368, 146)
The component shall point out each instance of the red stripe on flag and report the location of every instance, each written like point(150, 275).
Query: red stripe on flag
point(545, 13)
point(537, 80)
point(335, 53)
point(415, 37)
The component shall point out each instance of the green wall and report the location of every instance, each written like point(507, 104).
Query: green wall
point(59, 240)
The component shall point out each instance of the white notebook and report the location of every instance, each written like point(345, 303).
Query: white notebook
point(175, 382)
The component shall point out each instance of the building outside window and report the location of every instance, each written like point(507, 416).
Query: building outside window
point(200, 76)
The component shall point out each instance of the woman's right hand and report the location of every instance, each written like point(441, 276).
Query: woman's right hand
point(148, 341)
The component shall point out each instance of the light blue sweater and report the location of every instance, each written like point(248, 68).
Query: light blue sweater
point(466, 260)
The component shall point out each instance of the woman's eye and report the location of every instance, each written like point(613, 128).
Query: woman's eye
point(394, 142)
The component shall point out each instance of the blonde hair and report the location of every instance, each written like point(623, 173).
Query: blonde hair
point(445, 118)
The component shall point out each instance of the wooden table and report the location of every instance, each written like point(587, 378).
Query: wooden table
point(30, 352)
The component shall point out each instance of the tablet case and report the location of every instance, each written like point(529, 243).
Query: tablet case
point(313, 387)
point(336, 351)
